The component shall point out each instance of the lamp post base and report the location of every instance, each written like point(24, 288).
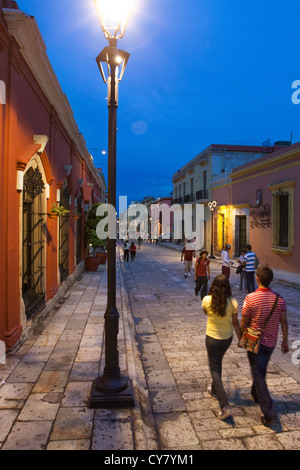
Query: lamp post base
point(112, 398)
point(212, 257)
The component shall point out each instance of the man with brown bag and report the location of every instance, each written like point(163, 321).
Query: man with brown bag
point(256, 310)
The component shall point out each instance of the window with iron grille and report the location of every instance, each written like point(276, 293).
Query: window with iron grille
point(33, 269)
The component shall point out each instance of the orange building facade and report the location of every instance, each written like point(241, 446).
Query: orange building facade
point(43, 161)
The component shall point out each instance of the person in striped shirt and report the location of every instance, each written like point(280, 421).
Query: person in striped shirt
point(249, 259)
point(257, 306)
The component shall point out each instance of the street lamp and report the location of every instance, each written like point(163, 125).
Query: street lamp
point(112, 389)
point(212, 207)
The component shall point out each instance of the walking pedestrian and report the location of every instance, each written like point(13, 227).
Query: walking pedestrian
point(251, 261)
point(139, 242)
point(202, 274)
point(222, 312)
point(242, 270)
point(126, 251)
point(132, 251)
point(256, 309)
point(226, 261)
point(187, 255)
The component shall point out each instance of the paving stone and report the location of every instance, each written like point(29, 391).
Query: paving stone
point(166, 400)
point(263, 442)
point(13, 395)
point(175, 430)
point(32, 435)
point(112, 435)
point(72, 423)
point(25, 372)
point(88, 354)
point(77, 394)
point(290, 440)
point(37, 408)
point(60, 361)
point(84, 371)
point(7, 418)
point(79, 444)
point(51, 381)
point(224, 444)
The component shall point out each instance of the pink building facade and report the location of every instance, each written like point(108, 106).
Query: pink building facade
point(257, 205)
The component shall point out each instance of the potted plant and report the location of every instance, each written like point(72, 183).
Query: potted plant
point(56, 211)
point(96, 247)
point(76, 216)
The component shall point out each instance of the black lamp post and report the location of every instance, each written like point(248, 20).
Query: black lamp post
point(212, 207)
point(112, 389)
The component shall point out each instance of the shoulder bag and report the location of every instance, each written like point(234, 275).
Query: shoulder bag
point(252, 337)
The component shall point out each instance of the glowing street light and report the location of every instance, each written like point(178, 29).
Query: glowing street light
point(114, 16)
point(112, 389)
point(212, 207)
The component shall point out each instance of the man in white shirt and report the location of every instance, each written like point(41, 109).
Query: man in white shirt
point(226, 261)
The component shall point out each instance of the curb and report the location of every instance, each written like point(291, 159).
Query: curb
point(145, 435)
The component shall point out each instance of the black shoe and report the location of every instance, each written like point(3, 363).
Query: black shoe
point(254, 399)
point(267, 422)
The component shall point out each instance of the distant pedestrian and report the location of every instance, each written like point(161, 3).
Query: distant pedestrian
point(126, 251)
point(251, 261)
point(139, 242)
point(132, 251)
point(222, 312)
point(226, 263)
point(187, 256)
point(202, 274)
point(242, 270)
point(256, 310)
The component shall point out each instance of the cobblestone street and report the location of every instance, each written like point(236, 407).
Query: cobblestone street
point(45, 386)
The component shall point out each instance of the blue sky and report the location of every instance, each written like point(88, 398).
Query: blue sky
point(200, 72)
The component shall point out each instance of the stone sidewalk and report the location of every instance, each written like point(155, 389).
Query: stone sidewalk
point(44, 388)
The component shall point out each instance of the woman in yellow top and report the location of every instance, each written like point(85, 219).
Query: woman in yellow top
point(222, 312)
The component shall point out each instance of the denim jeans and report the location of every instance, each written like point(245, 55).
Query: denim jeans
point(216, 350)
point(201, 286)
point(250, 281)
point(259, 363)
point(243, 282)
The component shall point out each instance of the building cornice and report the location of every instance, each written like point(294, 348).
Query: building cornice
point(32, 47)
point(266, 163)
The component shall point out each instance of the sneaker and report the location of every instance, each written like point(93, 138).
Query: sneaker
point(185, 275)
point(225, 413)
point(189, 274)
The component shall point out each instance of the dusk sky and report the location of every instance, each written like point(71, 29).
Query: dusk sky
point(200, 72)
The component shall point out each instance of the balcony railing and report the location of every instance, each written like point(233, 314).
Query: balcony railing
point(185, 199)
point(200, 195)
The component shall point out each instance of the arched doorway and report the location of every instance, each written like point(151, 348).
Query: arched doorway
point(33, 241)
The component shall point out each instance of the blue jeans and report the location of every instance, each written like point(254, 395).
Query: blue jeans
point(259, 363)
point(250, 281)
point(216, 349)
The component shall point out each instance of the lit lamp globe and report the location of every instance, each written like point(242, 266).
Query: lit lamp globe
point(114, 16)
